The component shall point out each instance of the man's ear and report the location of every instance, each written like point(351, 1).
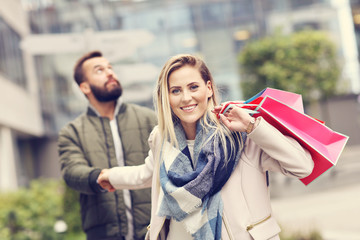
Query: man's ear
point(85, 88)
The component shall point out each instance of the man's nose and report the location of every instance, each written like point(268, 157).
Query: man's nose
point(109, 72)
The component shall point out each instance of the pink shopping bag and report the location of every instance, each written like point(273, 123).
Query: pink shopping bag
point(324, 144)
point(293, 100)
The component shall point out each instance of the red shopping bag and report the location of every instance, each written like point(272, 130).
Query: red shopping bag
point(324, 144)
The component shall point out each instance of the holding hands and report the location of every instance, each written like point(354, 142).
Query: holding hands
point(234, 117)
point(103, 180)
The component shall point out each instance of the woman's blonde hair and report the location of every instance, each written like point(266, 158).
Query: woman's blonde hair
point(166, 117)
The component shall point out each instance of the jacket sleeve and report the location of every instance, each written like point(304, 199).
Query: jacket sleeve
point(135, 177)
point(269, 150)
point(75, 170)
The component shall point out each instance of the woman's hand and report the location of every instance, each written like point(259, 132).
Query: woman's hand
point(103, 180)
point(235, 118)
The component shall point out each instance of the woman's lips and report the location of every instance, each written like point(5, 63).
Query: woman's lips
point(188, 108)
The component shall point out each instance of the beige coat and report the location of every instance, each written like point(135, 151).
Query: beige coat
point(247, 209)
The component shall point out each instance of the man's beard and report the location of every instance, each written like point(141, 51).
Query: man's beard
point(104, 95)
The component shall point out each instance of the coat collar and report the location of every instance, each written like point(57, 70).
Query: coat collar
point(93, 112)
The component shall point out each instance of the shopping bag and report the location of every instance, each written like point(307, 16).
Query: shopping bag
point(293, 100)
point(324, 144)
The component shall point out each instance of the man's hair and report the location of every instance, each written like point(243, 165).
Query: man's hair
point(78, 72)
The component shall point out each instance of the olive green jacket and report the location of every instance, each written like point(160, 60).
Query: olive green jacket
point(85, 147)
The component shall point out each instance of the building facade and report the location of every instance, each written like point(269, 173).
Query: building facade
point(216, 30)
point(20, 118)
point(38, 51)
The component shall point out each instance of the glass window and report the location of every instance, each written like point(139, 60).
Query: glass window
point(184, 41)
point(153, 20)
point(179, 17)
point(213, 14)
point(301, 3)
point(242, 8)
point(61, 99)
point(11, 58)
point(356, 20)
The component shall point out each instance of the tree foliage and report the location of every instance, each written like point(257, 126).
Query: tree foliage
point(31, 213)
point(304, 62)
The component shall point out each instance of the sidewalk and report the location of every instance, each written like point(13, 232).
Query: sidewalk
point(330, 204)
point(334, 213)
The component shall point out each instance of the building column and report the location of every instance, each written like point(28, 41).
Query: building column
point(8, 179)
point(346, 25)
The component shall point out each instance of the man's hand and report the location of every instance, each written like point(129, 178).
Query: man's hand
point(103, 180)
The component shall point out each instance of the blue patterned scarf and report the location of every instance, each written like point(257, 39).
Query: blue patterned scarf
point(190, 194)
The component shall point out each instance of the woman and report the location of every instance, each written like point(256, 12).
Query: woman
point(208, 175)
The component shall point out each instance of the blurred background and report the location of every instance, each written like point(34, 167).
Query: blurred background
point(40, 40)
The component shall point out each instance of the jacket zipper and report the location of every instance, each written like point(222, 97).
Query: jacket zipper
point(109, 164)
point(124, 156)
point(227, 227)
point(106, 142)
point(251, 226)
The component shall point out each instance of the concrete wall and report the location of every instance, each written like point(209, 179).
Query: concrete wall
point(341, 114)
point(19, 107)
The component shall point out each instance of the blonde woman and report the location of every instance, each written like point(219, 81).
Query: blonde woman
point(208, 175)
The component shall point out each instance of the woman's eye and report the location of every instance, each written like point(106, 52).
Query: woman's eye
point(175, 91)
point(194, 87)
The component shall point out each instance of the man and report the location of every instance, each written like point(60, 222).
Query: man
point(111, 133)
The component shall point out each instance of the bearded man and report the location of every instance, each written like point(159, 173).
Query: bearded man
point(110, 133)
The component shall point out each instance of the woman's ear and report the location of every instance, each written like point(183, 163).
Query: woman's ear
point(210, 91)
point(85, 88)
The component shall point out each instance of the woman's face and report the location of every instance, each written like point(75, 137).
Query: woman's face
point(188, 95)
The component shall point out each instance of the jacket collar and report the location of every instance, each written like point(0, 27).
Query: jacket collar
point(93, 112)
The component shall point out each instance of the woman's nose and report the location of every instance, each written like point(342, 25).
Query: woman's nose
point(186, 96)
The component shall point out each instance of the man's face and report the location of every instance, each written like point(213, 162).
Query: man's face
point(102, 80)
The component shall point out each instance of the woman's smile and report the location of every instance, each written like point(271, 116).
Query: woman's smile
point(189, 108)
point(188, 95)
